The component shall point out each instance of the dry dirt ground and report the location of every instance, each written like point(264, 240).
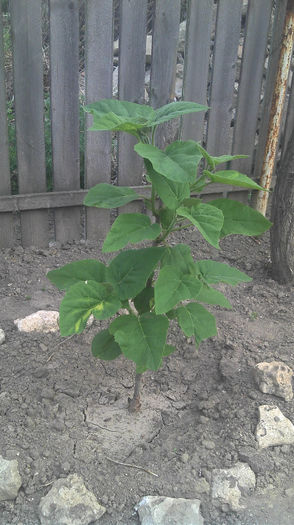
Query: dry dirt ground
point(62, 411)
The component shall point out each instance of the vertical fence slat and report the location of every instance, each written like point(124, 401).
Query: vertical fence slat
point(99, 56)
point(289, 125)
point(223, 76)
point(131, 82)
point(164, 56)
point(276, 39)
point(6, 219)
point(259, 14)
point(197, 52)
point(64, 67)
point(28, 92)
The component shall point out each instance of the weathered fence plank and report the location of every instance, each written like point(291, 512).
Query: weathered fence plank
point(6, 220)
point(28, 92)
point(219, 139)
point(131, 83)
point(259, 13)
point(289, 125)
point(197, 53)
point(276, 39)
point(64, 55)
point(99, 56)
point(163, 67)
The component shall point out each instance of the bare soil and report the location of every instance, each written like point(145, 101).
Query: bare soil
point(62, 411)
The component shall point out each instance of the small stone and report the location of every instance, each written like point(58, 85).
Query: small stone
point(273, 428)
point(210, 445)
point(69, 503)
point(290, 492)
point(158, 510)
point(42, 321)
point(185, 457)
point(2, 336)
point(202, 486)
point(228, 485)
point(10, 480)
point(274, 378)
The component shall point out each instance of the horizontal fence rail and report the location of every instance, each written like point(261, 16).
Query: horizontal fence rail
point(223, 54)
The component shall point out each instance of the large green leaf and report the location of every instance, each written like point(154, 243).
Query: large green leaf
point(179, 257)
point(84, 299)
point(171, 193)
point(240, 219)
point(108, 196)
point(178, 162)
point(175, 110)
point(130, 227)
point(118, 115)
point(233, 178)
point(78, 271)
point(227, 158)
point(130, 269)
point(196, 321)
point(105, 347)
point(205, 219)
point(210, 295)
point(141, 339)
point(215, 272)
point(173, 286)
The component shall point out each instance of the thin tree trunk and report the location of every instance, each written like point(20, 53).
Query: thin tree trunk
point(134, 402)
point(282, 231)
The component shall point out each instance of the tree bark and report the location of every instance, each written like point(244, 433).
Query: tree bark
point(282, 231)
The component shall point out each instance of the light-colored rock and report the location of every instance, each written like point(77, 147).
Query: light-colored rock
point(2, 336)
point(158, 510)
point(228, 485)
point(42, 321)
point(10, 480)
point(69, 503)
point(273, 428)
point(274, 378)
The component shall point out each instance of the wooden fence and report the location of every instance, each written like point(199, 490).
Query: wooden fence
point(230, 57)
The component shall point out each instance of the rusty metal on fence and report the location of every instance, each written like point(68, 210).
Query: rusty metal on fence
point(277, 108)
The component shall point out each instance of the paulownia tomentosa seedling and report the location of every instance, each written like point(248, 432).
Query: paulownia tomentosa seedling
point(160, 282)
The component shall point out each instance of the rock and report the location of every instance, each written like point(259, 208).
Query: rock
point(273, 428)
point(274, 378)
point(182, 37)
point(202, 486)
point(228, 485)
point(158, 510)
point(10, 480)
point(42, 321)
point(69, 503)
point(2, 336)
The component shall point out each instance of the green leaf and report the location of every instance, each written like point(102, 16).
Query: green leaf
point(168, 349)
point(171, 193)
point(209, 295)
point(130, 227)
point(215, 272)
point(227, 158)
point(129, 270)
point(175, 110)
point(108, 196)
point(196, 321)
point(78, 271)
point(198, 185)
point(84, 299)
point(178, 162)
point(179, 257)
point(166, 217)
point(118, 115)
point(205, 219)
point(240, 219)
point(188, 203)
point(143, 301)
point(105, 347)
point(233, 178)
point(141, 339)
point(172, 286)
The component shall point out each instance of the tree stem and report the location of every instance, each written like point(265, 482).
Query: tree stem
point(134, 403)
